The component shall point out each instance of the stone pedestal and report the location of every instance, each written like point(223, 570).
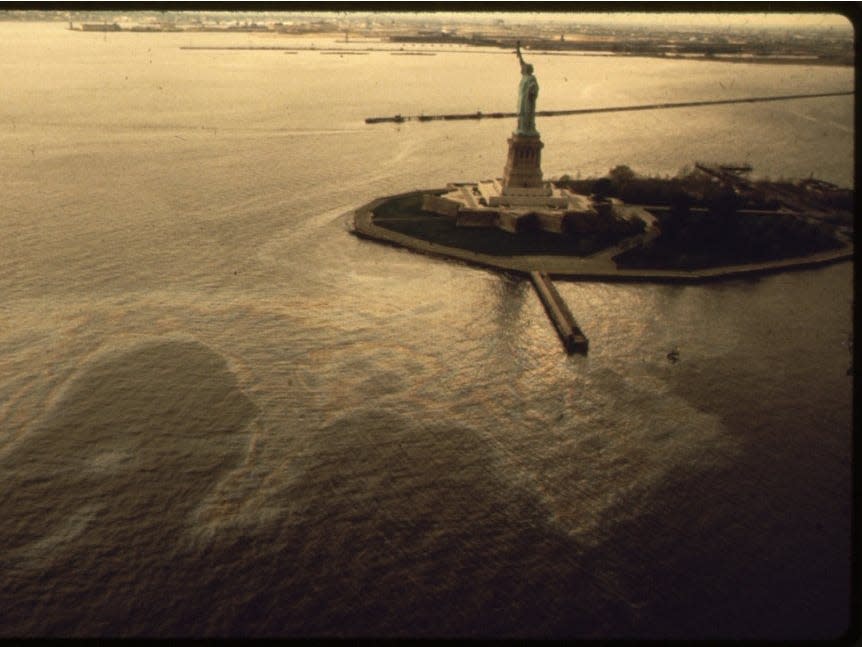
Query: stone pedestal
point(523, 165)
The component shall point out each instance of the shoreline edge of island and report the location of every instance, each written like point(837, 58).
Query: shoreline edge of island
point(596, 267)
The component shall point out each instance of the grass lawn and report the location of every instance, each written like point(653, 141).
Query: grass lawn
point(405, 215)
point(700, 241)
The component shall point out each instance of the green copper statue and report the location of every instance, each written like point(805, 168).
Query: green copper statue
point(528, 90)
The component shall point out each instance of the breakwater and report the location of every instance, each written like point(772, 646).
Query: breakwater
point(583, 111)
point(321, 50)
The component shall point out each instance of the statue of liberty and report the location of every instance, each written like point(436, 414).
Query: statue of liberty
point(528, 90)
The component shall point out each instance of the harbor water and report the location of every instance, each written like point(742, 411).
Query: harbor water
point(223, 414)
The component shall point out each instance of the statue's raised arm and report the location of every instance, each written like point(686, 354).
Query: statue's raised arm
point(528, 91)
point(520, 57)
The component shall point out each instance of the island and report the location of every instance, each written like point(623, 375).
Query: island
point(712, 221)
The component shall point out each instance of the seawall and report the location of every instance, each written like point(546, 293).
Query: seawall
point(598, 267)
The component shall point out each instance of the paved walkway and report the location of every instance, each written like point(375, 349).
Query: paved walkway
point(599, 266)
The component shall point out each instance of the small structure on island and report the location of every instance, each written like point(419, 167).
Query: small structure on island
point(522, 200)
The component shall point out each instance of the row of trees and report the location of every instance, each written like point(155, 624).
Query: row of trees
point(701, 224)
point(697, 189)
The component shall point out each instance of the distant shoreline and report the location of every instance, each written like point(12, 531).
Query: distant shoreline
point(742, 58)
point(712, 52)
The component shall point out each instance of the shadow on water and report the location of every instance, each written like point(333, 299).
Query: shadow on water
point(770, 534)
point(393, 527)
point(401, 528)
point(388, 526)
point(96, 497)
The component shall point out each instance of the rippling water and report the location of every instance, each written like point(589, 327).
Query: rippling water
point(221, 414)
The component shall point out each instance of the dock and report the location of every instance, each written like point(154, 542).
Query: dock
point(570, 334)
point(788, 200)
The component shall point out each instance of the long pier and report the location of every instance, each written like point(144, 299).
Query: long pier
point(585, 111)
point(570, 334)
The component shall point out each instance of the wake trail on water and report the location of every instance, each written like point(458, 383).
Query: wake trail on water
point(818, 120)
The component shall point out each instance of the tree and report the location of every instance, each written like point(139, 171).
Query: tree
point(621, 175)
point(602, 188)
point(677, 217)
point(725, 203)
point(680, 203)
